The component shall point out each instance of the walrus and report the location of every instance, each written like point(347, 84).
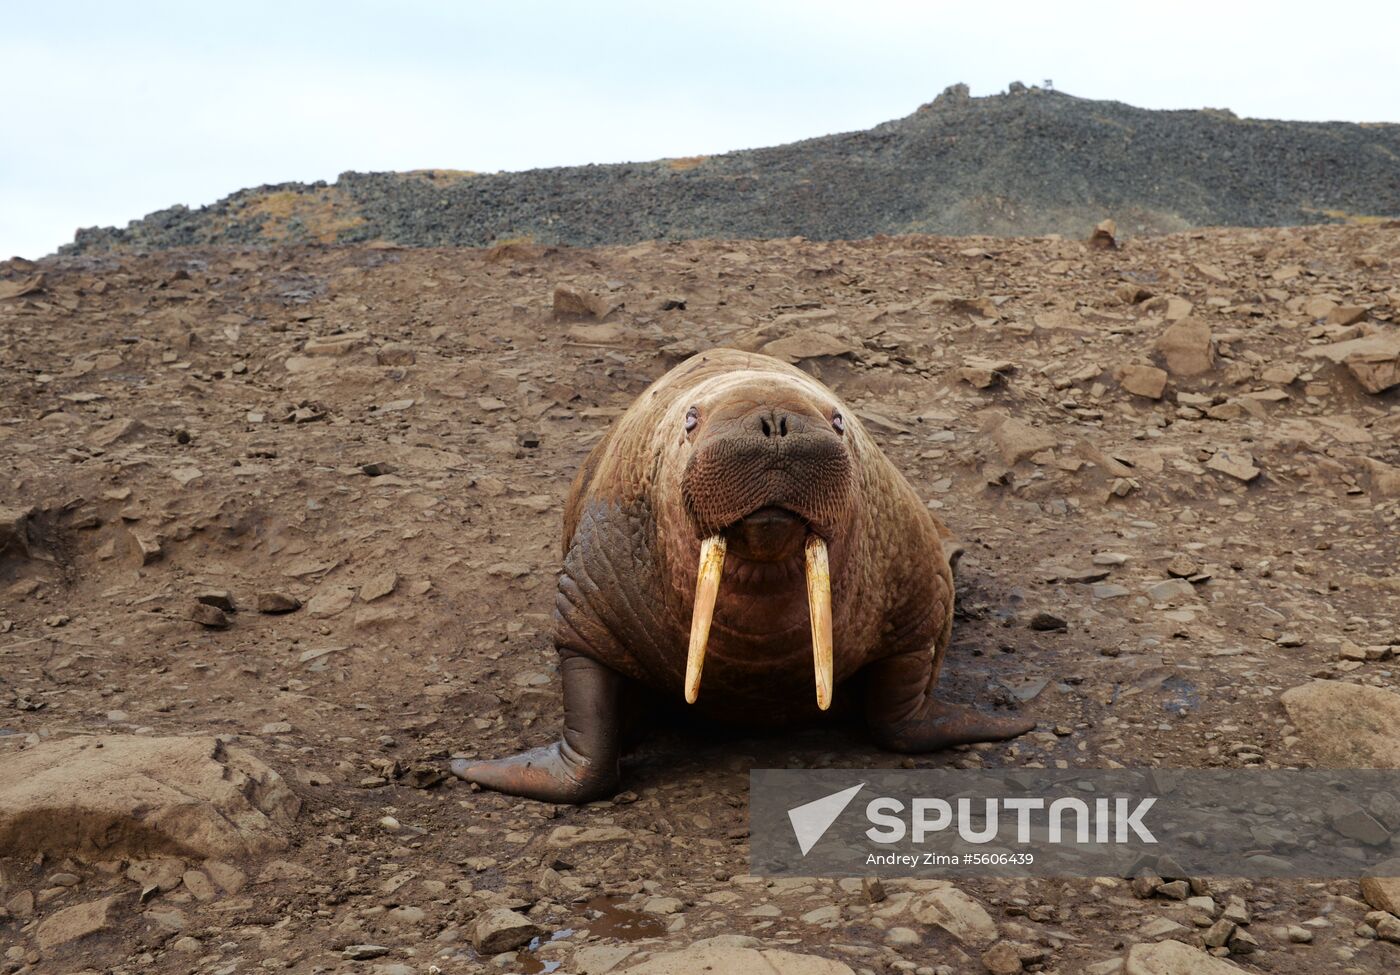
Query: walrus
point(737, 541)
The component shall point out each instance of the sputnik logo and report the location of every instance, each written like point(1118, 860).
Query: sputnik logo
point(811, 820)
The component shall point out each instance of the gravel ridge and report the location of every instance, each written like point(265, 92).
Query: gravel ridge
point(1029, 162)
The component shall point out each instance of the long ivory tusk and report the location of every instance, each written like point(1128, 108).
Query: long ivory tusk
point(819, 603)
point(706, 590)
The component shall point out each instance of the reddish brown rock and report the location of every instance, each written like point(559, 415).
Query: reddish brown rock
point(1187, 348)
point(158, 797)
point(1145, 381)
point(1374, 360)
point(575, 302)
point(1015, 439)
point(1104, 237)
point(78, 922)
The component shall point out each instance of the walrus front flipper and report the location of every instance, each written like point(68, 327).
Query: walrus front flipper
point(904, 716)
point(583, 765)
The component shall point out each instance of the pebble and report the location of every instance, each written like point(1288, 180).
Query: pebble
point(1238, 464)
point(1176, 890)
point(379, 585)
point(218, 598)
point(277, 602)
point(500, 929)
point(1047, 621)
point(1148, 382)
point(1002, 958)
point(1218, 935)
point(209, 616)
point(1388, 928)
point(1235, 910)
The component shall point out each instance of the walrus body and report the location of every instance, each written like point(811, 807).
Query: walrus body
point(740, 459)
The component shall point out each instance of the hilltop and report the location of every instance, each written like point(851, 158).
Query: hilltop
point(1028, 162)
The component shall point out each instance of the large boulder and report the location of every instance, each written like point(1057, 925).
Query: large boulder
point(1346, 725)
point(126, 796)
point(1187, 348)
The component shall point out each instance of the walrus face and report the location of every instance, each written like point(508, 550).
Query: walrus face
point(762, 467)
point(770, 476)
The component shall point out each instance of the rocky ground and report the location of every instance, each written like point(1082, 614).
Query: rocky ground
point(1026, 162)
point(281, 526)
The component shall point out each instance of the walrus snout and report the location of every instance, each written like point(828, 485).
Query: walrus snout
point(775, 422)
point(795, 466)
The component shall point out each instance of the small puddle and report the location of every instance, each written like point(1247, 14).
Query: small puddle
point(618, 922)
point(528, 963)
point(613, 921)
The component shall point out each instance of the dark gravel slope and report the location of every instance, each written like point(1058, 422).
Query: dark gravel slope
point(1029, 162)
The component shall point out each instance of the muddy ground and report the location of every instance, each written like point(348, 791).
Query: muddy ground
point(387, 435)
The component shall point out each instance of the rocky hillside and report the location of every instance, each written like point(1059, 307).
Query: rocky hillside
point(1025, 163)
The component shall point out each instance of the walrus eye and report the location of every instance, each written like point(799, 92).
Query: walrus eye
point(692, 419)
point(838, 422)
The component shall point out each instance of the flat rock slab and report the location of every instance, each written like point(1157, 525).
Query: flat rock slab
point(1175, 958)
point(710, 959)
point(1346, 725)
point(115, 796)
point(1374, 359)
point(1015, 439)
point(77, 922)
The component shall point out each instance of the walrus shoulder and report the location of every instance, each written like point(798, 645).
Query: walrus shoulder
point(579, 489)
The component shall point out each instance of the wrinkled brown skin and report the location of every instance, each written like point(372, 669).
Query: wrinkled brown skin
point(639, 508)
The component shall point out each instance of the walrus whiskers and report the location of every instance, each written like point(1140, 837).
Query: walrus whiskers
point(706, 590)
point(819, 605)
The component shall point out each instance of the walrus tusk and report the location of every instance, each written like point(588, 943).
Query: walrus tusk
point(706, 590)
point(819, 603)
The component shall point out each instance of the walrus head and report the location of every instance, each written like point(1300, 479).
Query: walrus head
point(770, 479)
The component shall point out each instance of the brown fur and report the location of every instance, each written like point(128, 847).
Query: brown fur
point(892, 586)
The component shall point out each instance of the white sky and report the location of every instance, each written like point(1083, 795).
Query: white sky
point(114, 109)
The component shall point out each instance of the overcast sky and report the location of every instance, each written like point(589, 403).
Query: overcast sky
point(114, 109)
